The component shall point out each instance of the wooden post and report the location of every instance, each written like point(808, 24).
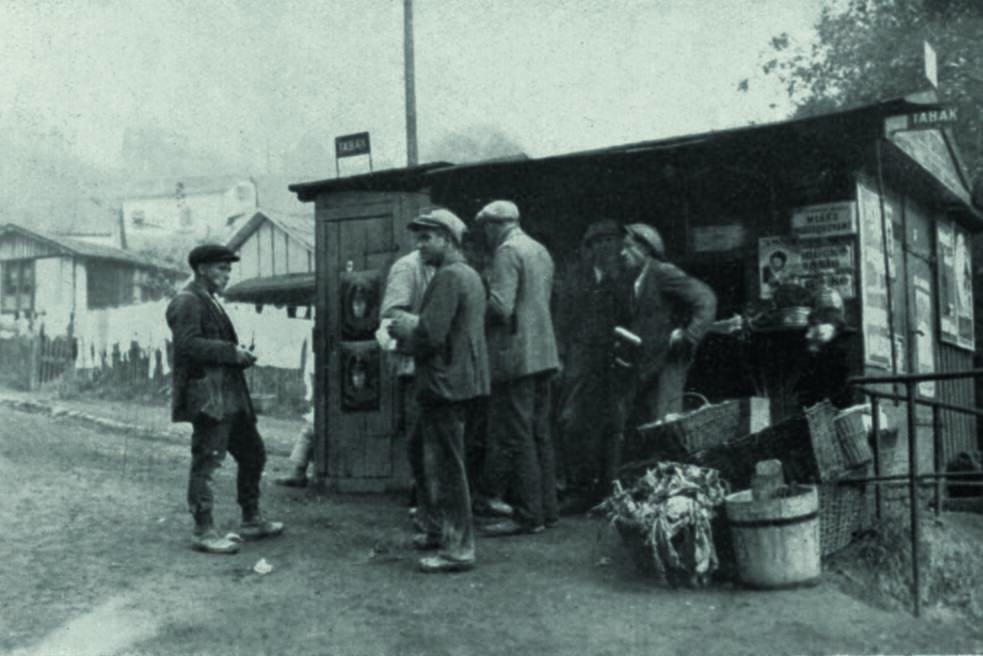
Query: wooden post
point(33, 378)
point(409, 72)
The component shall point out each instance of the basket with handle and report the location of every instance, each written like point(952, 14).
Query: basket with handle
point(710, 424)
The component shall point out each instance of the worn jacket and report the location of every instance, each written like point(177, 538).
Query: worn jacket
point(207, 382)
point(665, 298)
point(520, 328)
point(449, 340)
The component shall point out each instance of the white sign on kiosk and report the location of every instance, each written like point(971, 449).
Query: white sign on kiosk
point(826, 220)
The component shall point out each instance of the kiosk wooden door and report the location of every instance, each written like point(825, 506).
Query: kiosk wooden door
point(359, 236)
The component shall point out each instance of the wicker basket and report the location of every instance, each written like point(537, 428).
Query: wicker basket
point(697, 430)
point(806, 444)
point(841, 508)
point(852, 436)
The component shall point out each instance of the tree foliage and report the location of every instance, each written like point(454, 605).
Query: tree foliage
point(871, 50)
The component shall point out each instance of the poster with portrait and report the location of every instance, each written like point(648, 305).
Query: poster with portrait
point(360, 299)
point(779, 262)
point(360, 376)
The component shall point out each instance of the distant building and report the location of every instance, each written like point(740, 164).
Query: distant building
point(168, 214)
point(276, 247)
point(56, 278)
point(94, 221)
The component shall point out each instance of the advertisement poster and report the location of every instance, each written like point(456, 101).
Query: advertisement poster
point(963, 266)
point(955, 273)
point(946, 254)
point(778, 262)
point(829, 262)
point(924, 335)
point(873, 290)
point(827, 220)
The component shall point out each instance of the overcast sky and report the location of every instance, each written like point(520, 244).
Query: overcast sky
point(259, 83)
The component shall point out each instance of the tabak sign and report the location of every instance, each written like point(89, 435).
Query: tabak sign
point(826, 220)
point(350, 145)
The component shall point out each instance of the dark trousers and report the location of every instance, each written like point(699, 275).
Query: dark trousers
point(409, 418)
point(521, 459)
point(445, 504)
point(210, 440)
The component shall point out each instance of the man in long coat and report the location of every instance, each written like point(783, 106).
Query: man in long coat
point(451, 361)
point(590, 422)
point(671, 312)
point(210, 392)
point(523, 357)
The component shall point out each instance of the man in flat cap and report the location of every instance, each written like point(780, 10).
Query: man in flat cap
point(523, 357)
point(209, 391)
point(671, 312)
point(448, 345)
point(590, 423)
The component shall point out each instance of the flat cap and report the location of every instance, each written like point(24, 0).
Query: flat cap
point(603, 228)
point(210, 253)
point(648, 236)
point(499, 210)
point(440, 218)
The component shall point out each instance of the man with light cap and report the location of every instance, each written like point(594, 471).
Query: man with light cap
point(523, 356)
point(671, 312)
point(590, 422)
point(450, 357)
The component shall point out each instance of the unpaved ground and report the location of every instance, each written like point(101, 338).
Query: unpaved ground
point(95, 560)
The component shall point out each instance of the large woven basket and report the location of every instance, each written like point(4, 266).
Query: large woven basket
point(697, 430)
point(851, 433)
point(842, 505)
point(806, 445)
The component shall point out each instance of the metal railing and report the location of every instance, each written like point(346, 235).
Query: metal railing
point(913, 477)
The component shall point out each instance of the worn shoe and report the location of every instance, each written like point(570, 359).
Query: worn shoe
point(510, 527)
point(440, 564)
point(211, 542)
point(491, 507)
point(424, 542)
point(259, 529)
point(291, 481)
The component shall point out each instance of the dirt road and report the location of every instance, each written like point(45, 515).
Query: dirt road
point(95, 560)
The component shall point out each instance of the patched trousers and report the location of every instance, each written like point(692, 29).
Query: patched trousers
point(210, 441)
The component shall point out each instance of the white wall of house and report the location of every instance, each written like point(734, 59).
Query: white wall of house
point(270, 251)
point(57, 292)
point(198, 216)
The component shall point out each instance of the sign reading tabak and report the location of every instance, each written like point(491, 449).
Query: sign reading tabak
point(826, 220)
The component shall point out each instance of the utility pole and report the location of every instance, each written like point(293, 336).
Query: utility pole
point(410, 78)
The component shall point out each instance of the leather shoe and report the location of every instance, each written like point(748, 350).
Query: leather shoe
point(439, 564)
point(499, 507)
point(291, 481)
point(259, 529)
point(424, 542)
point(211, 542)
point(510, 527)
